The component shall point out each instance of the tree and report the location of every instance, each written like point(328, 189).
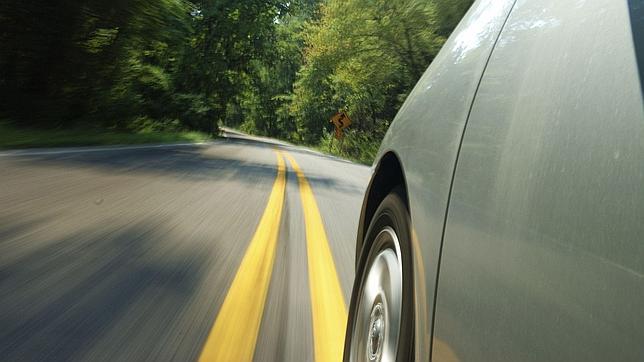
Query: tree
point(363, 56)
point(268, 87)
point(229, 36)
point(64, 61)
point(274, 67)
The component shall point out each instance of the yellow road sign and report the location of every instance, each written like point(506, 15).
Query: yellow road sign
point(341, 120)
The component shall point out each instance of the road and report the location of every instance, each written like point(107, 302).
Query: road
point(147, 253)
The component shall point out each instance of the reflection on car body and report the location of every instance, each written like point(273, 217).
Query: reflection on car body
point(519, 160)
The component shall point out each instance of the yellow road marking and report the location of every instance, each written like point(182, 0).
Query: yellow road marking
point(327, 302)
point(234, 334)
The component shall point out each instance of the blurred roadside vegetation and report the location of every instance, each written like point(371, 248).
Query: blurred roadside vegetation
point(268, 67)
point(24, 137)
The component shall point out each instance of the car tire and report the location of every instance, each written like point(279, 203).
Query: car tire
point(381, 314)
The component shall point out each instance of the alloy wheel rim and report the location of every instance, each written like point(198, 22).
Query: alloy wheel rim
point(379, 308)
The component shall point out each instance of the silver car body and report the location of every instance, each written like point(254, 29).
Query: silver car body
point(522, 153)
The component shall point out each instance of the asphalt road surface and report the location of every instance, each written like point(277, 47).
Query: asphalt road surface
point(237, 249)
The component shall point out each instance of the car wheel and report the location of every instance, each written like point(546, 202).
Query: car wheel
point(381, 317)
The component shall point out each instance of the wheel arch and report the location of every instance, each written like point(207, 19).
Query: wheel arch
point(388, 174)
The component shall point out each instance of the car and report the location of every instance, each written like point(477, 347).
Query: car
point(504, 220)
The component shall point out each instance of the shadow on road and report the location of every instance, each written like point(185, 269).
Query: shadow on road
point(188, 163)
point(57, 300)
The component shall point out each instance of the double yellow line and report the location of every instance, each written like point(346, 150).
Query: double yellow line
point(234, 335)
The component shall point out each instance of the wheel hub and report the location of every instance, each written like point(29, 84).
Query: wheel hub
point(376, 332)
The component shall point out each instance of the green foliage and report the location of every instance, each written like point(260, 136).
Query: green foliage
point(359, 146)
point(279, 68)
point(110, 63)
point(363, 57)
point(268, 84)
point(450, 13)
point(65, 63)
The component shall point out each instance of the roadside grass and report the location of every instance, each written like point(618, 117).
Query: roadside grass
point(355, 147)
point(14, 137)
point(335, 151)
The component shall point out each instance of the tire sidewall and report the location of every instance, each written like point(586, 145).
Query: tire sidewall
point(392, 212)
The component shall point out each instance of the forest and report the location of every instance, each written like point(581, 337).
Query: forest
point(267, 67)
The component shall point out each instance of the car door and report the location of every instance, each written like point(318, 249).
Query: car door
point(425, 136)
point(543, 255)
